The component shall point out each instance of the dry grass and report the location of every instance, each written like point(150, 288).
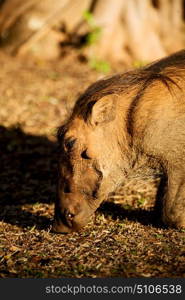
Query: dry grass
point(125, 239)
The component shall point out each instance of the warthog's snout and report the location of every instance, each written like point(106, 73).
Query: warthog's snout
point(63, 222)
point(63, 225)
point(59, 227)
point(71, 218)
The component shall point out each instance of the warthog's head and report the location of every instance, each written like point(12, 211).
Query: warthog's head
point(90, 162)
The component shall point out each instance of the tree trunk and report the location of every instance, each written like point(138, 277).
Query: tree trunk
point(107, 16)
point(23, 26)
point(143, 39)
point(141, 30)
point(171, 18)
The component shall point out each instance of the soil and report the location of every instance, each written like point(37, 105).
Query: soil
point(125, 239)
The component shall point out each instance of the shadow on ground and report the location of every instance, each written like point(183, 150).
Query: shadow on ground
point(143, 216)
point(29, 176)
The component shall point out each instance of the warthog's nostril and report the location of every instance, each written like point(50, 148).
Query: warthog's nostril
point(69, 217)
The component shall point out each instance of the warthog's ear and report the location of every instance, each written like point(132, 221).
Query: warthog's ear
point(104, 110)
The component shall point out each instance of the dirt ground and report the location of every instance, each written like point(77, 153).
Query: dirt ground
point(125, 238)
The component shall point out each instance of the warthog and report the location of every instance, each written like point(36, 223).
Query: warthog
point(131, 122)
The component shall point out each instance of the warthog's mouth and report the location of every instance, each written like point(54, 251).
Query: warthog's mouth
point(60, 226)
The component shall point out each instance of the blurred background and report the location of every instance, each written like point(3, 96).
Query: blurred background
point(112, 31)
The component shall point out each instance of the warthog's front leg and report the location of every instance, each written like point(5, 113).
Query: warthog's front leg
point(174, 200)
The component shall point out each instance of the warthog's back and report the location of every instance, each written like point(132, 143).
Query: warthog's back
point(150, 99)
point(169, 71)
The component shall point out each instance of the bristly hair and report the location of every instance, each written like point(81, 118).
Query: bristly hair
point(165, 70)
point(61, 131)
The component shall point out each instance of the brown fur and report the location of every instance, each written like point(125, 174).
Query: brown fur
point(130, 123)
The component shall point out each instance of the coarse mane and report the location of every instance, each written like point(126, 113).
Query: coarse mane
point(167, 70)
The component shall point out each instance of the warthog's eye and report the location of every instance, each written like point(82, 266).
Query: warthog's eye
point(84, 154)
point(69, 143)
